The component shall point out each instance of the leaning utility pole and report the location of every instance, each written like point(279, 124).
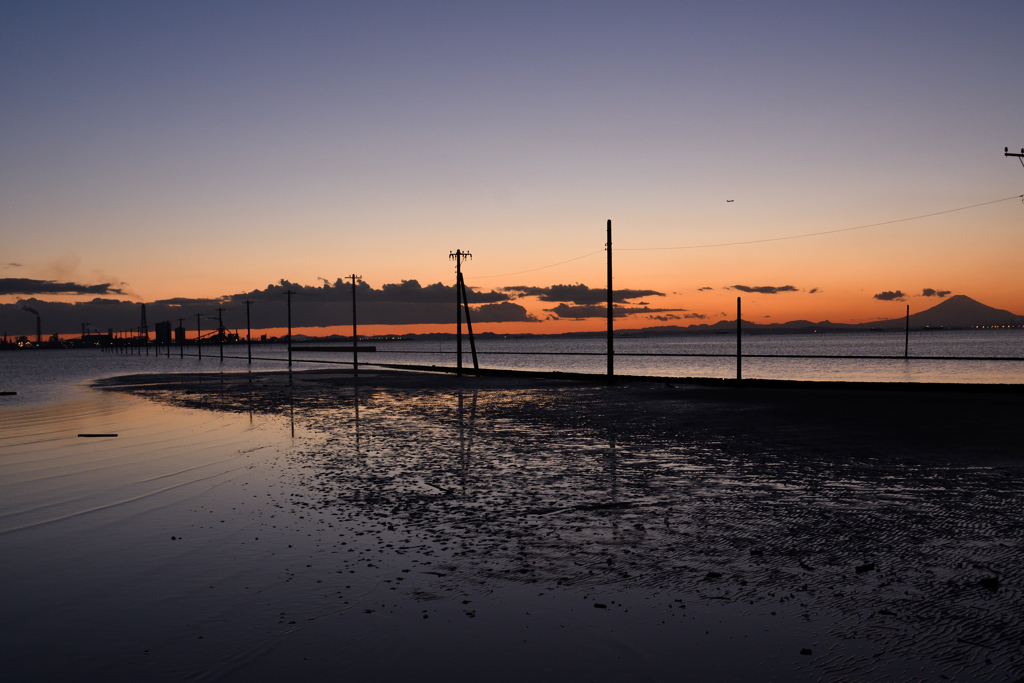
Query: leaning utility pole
point(611, 341)
point(355, 349)
point(469, 323)
point(458, 256)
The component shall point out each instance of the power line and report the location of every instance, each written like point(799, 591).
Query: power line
point(757, 241)
point(824, 232)
point(533, 270)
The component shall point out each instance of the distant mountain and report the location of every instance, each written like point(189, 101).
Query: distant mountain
point(956, 311)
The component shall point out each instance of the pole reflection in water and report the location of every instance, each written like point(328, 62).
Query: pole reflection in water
point(466, 439)
point(355, 406)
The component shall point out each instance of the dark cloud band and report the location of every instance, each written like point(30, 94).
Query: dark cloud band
point(765, 289)
point(27, 286)
point(578, 294)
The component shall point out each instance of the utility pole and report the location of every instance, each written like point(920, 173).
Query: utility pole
point(611, 340)
point(248, 331)
point(145, 331)
point(220, 332)
point(290, 292)
point(906, 331)
point(355, 336)
point(458, 256)
point(739, 341)
point(199, 335)
point(469, 323)
point(181, 342)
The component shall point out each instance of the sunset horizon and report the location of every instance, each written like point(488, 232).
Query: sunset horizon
point(542, 341)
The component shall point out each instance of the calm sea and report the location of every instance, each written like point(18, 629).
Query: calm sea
point(45, 375)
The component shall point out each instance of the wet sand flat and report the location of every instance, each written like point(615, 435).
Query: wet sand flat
point(407, 525)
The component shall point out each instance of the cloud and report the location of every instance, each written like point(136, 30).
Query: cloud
point(567, 311)
point(705, 289)
point(12, 265)
point(941, 293)
point(404, 292)
point(891, 296)
point(814, 290)
point(664, 318)
point(21, 285)
point(402, 303)
point(695, 316)
point(502, 312)
point(578, 294)
point(764, 289)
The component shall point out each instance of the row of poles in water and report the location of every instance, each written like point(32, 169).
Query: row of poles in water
point(136, 344)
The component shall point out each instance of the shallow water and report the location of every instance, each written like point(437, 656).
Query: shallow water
point(426, 529)
point(194, 545)
point(46, 375)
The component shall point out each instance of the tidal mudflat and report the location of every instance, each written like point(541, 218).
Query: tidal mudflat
point(403, 526)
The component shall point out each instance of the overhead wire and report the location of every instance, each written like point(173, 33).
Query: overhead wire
point(823, 232)
point(533, 270)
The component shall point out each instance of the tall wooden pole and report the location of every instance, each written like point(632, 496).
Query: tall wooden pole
point(248, 331)
point(220, 332)
point(611, 338)
point(199, 334)
point(458, 315)
point(739, 340)
point(355, 333)
point(458, 255)
point(289, 328)
point(906, 334)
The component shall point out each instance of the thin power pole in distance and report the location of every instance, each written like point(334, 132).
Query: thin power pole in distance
point(355, 336)
point(290, 292)
point(458, 256)
point(611, 310)
point(248, 331)
point(199, 335)
point(739, 339)
point(906, 332)
point(220, 332)
point(181, 342)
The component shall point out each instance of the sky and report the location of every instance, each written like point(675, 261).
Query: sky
point(199, 152)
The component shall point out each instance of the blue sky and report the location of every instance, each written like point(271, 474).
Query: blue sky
point(196, 149)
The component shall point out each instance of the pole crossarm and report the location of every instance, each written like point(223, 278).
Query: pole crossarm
point(1008, 153)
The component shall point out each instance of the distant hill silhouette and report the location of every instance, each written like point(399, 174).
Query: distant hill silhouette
point(955, 312)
